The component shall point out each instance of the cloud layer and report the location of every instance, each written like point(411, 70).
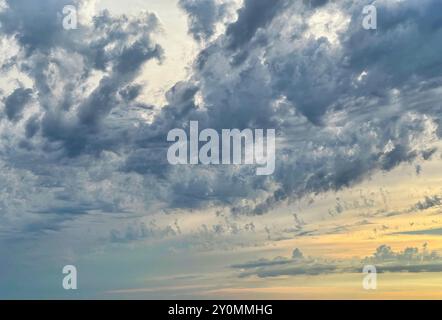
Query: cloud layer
point(345, 101)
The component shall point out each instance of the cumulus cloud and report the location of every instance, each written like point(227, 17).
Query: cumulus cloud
point(251, 17)
point(384, 259)
point(205, 15)
point(16, 102)
point(428, 202)
point(345, 103)
point(336, 127)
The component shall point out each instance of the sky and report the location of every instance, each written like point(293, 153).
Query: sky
point(85, 179)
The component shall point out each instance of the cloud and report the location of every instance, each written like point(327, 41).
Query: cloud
point(143, 231)
point(253, 15)
point(428, 202)
point(205, 15)
point(335, 127)
point(81, 83)
point(16, 102)
point(384, 259)
point(64, 65)
point(83, 156)
point(86, 131)
point(437, 231)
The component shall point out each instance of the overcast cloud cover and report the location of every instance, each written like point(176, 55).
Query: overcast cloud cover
point(78, 142)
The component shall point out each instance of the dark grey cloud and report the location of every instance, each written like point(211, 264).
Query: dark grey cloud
point(342, 110)
point(34, 24)
point(72, 121)
point(16, 102)
point(315, 3)
point(204, 15)
point(384, 259)
point(428, 202)
point(253, 15)
point(437, 231)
